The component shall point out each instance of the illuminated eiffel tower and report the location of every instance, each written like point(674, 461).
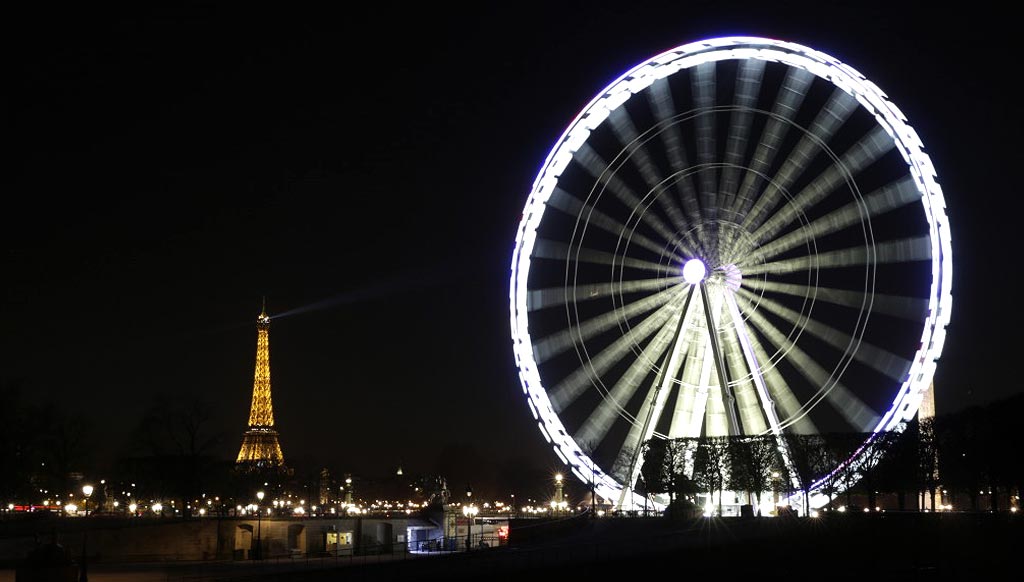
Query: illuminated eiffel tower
point(260, 448)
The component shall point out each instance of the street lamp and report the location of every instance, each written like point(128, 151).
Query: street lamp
point(775, 491)
point(87, 490)
point(559, 501)
point(84, 574)
point(259, 536)
point(470, 512)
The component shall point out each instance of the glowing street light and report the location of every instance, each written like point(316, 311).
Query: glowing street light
point(83, 576)
point(259, 537)
point(558, 502)
point(470, 512)
point(87, 490)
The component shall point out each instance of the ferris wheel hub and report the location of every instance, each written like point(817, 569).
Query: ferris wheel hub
point(694, 271)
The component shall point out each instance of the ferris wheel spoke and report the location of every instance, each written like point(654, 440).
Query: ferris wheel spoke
point(748, 406)
point(624, 129)
point(853, 410)
point(537, 299)
point(633, 446)
point(909, 308)
point(885, 199)
point(661, 102)
point(787, 103)
point(555, 344)
point(899, 251)
point(599, 422)
point(597, 167)
point(831, 117)
point(595, 428)
point(864, 153)
point(687, 416)
point(778, 391)
point(707, 377)
point(568, 390)
point(703, 81)
point(762, 398)
point(722, 402)
point(630, 456)
point(879, 359)
point(572, 206)
point(559, 251)
point(748, 85)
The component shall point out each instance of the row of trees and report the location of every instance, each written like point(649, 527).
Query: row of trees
point(967, 455)
point(175, 453)
point(46, 452)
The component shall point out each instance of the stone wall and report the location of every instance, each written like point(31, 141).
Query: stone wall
point(135, 540)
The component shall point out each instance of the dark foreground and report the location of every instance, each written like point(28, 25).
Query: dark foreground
point(876, 546)
point(886, 546)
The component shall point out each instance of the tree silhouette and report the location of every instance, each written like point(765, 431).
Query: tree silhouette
point(753, 460)
point(711, 465)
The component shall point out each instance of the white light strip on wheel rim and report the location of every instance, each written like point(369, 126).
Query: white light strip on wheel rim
point(922, 370)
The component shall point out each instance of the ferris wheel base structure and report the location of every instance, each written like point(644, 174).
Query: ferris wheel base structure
point(738, 236)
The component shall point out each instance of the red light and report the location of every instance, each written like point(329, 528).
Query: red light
point(503, 532)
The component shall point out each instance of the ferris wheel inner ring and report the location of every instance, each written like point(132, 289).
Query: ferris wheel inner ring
point(920, 368)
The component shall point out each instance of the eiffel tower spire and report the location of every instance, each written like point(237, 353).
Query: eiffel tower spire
point(259, 443)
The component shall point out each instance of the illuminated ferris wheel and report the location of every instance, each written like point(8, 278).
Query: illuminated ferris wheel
point(737, 236)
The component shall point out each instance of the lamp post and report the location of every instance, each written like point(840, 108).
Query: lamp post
point(83, 576)
point(259, 532)
point(470, 512)
point(559, 502)
point(775, 492)
point(465, 511)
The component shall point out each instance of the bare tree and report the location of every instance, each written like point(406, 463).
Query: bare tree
point(753, 460)
point(809, 459)
point(838, 477)
point(711, 465)
point(928, 459)
point(177, 436)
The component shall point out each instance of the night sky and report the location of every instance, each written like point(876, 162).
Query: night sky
point(366, 171)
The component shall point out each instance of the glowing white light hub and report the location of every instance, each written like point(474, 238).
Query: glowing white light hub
point(694, 271)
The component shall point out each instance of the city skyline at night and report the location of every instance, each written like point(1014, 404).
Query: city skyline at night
point(171, 173)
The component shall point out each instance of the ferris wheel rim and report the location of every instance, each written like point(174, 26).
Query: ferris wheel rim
point(684, 57)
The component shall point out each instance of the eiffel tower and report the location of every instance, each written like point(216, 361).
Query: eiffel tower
point(260, 448)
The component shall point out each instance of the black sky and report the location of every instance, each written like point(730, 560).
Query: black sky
point(165, 172)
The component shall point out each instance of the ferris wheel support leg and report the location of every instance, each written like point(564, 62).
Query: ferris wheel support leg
point(637, 461)
point(723, 379)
